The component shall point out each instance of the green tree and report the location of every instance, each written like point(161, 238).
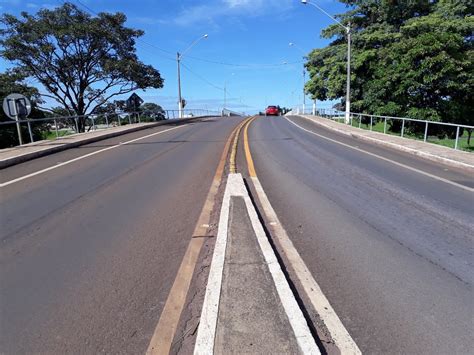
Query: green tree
point(82, 61)
point(410, 58)
point(153, 110)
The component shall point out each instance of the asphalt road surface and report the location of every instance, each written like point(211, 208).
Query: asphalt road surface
point(90, 250)
point(391, 248)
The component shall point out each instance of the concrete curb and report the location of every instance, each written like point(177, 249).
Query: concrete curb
point(381, 142)
point(54, 149)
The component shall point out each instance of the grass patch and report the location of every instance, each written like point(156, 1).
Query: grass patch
point(51, 135)
point(378, 126)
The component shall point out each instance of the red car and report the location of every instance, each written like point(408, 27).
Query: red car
point(272, 111)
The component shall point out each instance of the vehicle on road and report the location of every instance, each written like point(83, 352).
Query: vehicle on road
point(272, 111)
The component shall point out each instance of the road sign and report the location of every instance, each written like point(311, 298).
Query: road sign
point(16, 106)
point(134, 102)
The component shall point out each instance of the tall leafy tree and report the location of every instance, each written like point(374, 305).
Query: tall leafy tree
point(410, 58)
point(81, 60)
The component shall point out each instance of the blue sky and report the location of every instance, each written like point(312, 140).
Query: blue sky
point(252, 36)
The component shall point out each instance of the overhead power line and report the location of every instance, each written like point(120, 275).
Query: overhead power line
point(138, 40)
point(171, 53)
point(202, 78)
point(249, 65)
point(212, 84)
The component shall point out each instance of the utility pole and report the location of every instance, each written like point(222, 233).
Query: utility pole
point(180, 101)
point(225, 94)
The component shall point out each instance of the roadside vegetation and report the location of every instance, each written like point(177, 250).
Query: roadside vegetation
point(409, 59)
point(78, 60)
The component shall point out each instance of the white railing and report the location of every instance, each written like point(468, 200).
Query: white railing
point(66, 125)
point(429, 129)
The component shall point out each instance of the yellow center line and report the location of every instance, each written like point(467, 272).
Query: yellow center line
point(233, 153)
point(248, 155)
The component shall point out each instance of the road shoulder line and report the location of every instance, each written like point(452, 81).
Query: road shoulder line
point(24, 177)
point(43, 148)
point(380, 142)
point(383, 158)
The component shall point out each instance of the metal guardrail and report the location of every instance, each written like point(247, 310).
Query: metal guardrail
point(65, 125)
point(370, 120)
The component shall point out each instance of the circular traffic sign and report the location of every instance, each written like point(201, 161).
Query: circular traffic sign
point(16, 106)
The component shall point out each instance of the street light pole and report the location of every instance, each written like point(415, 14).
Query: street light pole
point(348, 79)
point(179, 56)
point(304, 89)
point(291, 44)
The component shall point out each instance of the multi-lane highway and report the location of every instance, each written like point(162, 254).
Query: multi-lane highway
point(91, 248)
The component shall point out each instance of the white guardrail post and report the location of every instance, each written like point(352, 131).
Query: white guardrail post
point(56, 128)
point(426, 132)
point(457, 138)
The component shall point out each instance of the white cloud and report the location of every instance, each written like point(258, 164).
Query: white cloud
point(212, 11)
point(146, 20)
point(236, 3)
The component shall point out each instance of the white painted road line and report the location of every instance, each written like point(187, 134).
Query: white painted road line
point(84, 156)
point(210, 309)
point(208, 322)
point(303, 335)
point(384, 159)
point(320, 303)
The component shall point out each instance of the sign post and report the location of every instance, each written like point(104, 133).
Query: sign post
point(16, 107)
point(18, 128)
